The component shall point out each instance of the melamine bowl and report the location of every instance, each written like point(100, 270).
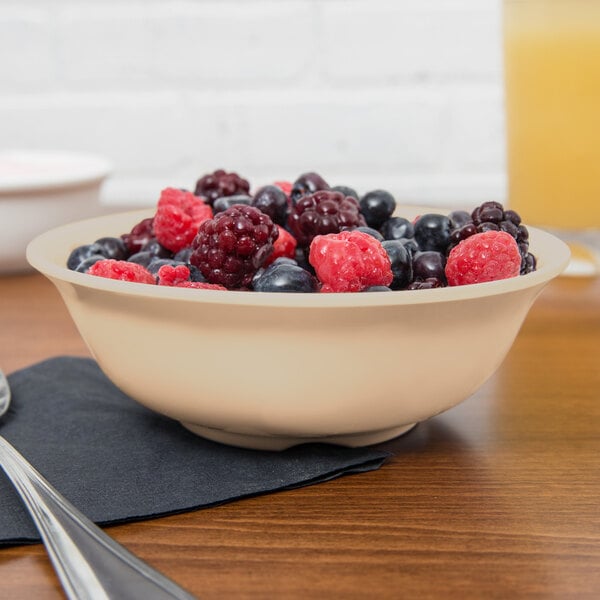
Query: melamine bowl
point(268, 370)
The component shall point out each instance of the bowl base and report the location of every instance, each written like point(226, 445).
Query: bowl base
point(282, 442)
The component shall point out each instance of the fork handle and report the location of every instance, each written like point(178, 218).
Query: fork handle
point(90, 564)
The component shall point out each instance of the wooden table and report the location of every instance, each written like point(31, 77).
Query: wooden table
point(497, 498)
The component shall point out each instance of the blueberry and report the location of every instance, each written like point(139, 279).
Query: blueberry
point(411, 246)
point(273, 202)
point(307, 183)
point(195, 273)
point(225, 202)
point(156, 263)
point(184, 255)
point(113, 247)
point(377, 207)
point(432, 232)
point(396, 228)
point(156, 249)
point(84, 265)
point(347, 191)
point(81, 253)
point(284, 277)
point(378, 288)
point(401, 261)
point(141, 258)
point(458, 218)
point(429, 264)
point(372, 232)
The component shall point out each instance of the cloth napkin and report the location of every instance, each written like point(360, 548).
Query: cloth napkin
point(117, 461)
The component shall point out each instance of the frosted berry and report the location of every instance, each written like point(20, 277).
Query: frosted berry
point(113, 247)
point(121, 270)
point(396, 228)
point(322, 213)
point(482, 257)
point(82, 253)
point(432, 232)
point(220, 183)
point(225, 202)
point(401, 263)
point(273, 202)
point(284, 277)
point(349, 261)
point(231, 247)
point(139, 236)
point(346, 190)
point(178, 216)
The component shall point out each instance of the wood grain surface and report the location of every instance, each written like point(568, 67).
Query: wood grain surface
point(496, 498)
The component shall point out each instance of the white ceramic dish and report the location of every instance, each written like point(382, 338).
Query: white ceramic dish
point(40, 190)
point(267, 370)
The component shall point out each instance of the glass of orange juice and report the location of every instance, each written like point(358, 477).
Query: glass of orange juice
point(552, 83)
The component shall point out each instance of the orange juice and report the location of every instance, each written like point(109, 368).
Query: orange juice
point(552, 78)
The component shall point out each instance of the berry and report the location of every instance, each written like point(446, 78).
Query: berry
point(396, 228)
point(284, 277)
point(307, 183)
point(458, 218)
point(401, 263)
point(121, 270)
point(178, 216)
point(81, 253)
point(156, 249)
point(432, 232)
point(113, 247)
point(347, 191)
point(370, 231)
point(172, 275)
point(349, 261)
point(322, 213)
point(285, 187)
point(425, 284)
point(143, 258)
point(378, 288)
point(84, 265)
point(156, 263)
point(220, 183)
point(273, 202)
point(283, 247)
point(225, 202)
point(231, 247)
point(139, 235)
point(377, 207)
point(482, 257)
point(429, 264)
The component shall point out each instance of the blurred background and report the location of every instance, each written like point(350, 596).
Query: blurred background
point(404, 95)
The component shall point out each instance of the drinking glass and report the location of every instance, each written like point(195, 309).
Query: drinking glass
point(552, 95)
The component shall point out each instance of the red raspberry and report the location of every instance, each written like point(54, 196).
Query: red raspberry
point(230, 248)
point(284, 245)
point(481, 257)
point(321, 213)
point(179, 275)
point(350, 261)
point(178, 216)
point(220, 183)
point(139, 236)
point(121, 270)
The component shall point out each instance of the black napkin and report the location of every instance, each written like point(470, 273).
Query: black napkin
point(117, 461)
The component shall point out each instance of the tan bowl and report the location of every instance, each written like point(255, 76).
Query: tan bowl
point(268, 370)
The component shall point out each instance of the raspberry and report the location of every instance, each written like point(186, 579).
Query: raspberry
point(284, 245)
point(321, 213)
point(178, 216)
point(139, 236)
point(232, 246)
point(121, 270)
point(350, 261)
point(486, 256)
point(178, 276)
point(220, 183)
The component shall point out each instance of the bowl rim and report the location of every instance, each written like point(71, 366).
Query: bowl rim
point(55, 170)
point(38, 256)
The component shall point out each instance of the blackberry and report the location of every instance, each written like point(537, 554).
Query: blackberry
point(307, 183)
point(377, 207)
point(321, 213)
point(220, 183)
point(139, 236)
point(230, 248)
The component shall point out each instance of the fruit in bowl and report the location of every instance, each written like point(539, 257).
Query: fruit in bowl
point(234, 359)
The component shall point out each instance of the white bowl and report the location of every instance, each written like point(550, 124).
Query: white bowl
point(268, 370)
point(40, 190)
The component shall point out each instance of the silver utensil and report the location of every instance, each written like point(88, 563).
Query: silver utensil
point(89, 563)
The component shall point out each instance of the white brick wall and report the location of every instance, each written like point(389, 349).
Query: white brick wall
point(401, 94)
